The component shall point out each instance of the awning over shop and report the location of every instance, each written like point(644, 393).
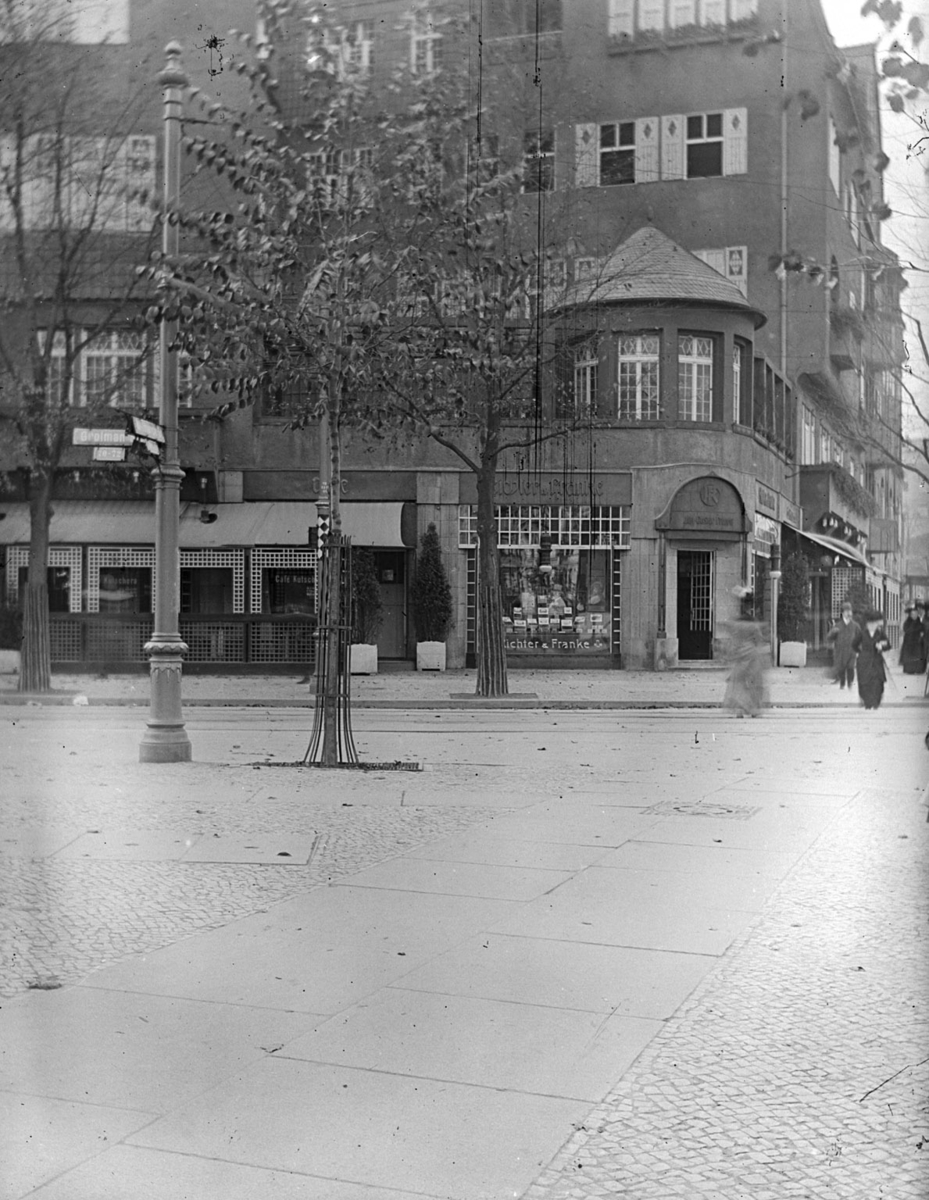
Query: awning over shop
point(835, 546)
point(253, 523)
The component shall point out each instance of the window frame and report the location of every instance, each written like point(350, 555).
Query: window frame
point(627, 150)
point(538, 161)
point(638, 407)
point(425, 38)
point(115, 355)
point(704, 140)
point(694, 364)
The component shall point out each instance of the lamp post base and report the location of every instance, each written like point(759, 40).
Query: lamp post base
point(165, 739)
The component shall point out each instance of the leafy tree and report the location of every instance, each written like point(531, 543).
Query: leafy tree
point(371, 269)
point(793, 609)
point(367, 605)
point(74, 222)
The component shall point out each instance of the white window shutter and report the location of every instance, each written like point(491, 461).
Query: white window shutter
point(587, 155)
point(713, 258)
point(736, 269)
point(735, 141)
point(646, 150)
point(672, 147)
point(620, 19)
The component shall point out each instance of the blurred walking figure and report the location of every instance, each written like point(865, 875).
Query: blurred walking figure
point(913, 649)
point(872, 670)
point(750, 656)
point(843, 636)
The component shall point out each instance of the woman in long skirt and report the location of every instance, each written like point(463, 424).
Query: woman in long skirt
point(872, 673)
point(749, 653)
point(913, 650)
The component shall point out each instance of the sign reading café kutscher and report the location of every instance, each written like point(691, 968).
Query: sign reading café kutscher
point(549, 487)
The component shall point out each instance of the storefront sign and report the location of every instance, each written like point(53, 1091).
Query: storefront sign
point(766, 534)
point(547, 489)
point(765, 499)
point(708, 507)
point(791, 514)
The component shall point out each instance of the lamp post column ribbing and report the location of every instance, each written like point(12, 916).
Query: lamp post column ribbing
point(165, 738)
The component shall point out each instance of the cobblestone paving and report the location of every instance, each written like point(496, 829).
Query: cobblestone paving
point(799, 1067)
point(61, 918)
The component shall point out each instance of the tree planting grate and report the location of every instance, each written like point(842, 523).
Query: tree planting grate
point(703, 808)
point(346, 766)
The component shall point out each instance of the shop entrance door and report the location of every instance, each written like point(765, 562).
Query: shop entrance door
point(391, 575)
point(695, 604)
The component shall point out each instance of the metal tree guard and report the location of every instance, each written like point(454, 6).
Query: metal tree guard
point(331, 743)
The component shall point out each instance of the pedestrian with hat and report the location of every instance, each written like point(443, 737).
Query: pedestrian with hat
point(870, 645)
point(843, 636)
point(913, 648)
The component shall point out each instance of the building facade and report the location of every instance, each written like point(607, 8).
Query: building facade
point(720, 305)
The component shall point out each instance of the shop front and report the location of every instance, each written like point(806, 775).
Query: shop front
point(560, 581)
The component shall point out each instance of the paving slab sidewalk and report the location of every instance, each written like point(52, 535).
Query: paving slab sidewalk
point(683, 688)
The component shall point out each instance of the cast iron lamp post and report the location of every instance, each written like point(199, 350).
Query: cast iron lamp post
point(165, 739)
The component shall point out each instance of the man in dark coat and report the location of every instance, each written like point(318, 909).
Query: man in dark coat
point(843, 636)
point(872, 672)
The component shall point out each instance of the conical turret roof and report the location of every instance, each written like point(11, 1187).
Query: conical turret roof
point(649, 266)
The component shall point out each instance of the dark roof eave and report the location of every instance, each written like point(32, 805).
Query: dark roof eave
point(756, 314)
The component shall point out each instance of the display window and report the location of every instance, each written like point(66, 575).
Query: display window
point(290, 590)
point(126, 590)
point(557, 607)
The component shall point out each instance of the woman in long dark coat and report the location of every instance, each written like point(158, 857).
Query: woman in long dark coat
point(871, 643)
point(913, 650)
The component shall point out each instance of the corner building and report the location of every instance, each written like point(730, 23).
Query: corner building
point(719, 300)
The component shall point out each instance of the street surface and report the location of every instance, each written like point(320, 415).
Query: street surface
point(646, 954)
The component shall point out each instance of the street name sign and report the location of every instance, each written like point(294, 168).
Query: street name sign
point(101, 437)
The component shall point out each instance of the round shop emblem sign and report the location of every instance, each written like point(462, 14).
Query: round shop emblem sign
point(710, 494)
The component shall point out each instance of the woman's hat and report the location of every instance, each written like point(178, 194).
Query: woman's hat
point(873, 615)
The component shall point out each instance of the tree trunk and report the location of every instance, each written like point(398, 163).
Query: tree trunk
point(491, 651)
point(36, 669)
point(333, 601)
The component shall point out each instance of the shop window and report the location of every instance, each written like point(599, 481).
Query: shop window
point(559, 607)
point(638, 368)
point(539, 160)
point(695, 377)
point(126, 590)
point(59, 587)
point(289, 590)
point(206, 590)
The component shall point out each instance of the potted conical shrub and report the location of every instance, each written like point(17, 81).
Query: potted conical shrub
point(11, 640)
point(431, 601)
point(793, 611)
point(367, 612)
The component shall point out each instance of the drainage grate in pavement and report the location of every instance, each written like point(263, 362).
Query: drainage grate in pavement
point(703, 808)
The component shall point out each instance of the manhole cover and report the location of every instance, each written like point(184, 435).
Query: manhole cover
point(703, 808)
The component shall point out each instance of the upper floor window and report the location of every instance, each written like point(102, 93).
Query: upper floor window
point(638, 370)
point(586, 369)
point(695, 377)
point(835, 158)
point(115, 370)
point(356, 50)
point(676, 146)
point(484, 157)
point(539, 161)
point(92, 22)
point(704, 144)
point(519, 18)
point(426, 45)
point(742, 382)
point(59, 367)
point(626, 18)
point(730, 261)
point(807, 437)
point(85, 183)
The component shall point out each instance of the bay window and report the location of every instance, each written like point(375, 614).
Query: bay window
point(695, 377)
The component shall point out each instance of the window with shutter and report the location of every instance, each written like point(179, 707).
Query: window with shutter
point(617, 153)
point(587, 155)
point(735, 150)
point(539, 160)
point(620, 22)
point(646, 150)
point(672, 147)
point(683, 12)
point(651, 14)
point(704, 145)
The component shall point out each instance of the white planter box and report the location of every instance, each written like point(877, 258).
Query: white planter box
point(430, 656)
point(10, 662)
point(793, 654)
point(362, 659)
